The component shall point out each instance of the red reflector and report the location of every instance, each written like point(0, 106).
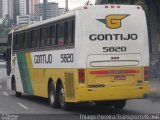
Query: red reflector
point(99, 72)
point(146, 68)
point(146, 76)
point(81, 75)
point(146, 73)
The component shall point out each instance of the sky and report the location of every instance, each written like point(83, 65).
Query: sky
point(72, 3)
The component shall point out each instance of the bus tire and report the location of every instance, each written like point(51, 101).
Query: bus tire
point(18, 94)
point(53, 96)
point(103, 104)
point(64, 105)
point(120, 104)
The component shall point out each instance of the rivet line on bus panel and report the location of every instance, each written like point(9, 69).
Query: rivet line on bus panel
point(6, 94)
point(22, 105)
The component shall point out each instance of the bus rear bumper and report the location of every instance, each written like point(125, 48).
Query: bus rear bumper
point(111, 93)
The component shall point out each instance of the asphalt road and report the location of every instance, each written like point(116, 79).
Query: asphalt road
point(30, 107)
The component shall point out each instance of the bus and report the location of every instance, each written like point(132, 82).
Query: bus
point(95, 53)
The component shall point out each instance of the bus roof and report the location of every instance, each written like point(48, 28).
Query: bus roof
point(67, 15)
point(70, 14)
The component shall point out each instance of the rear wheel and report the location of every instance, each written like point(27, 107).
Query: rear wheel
point(64, 105)
point(53, 97)
point(104, 103)
point(120, 104)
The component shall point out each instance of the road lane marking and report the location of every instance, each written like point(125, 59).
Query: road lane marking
point(6, 94)
point(22, 105)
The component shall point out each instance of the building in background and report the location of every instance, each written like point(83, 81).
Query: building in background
point(1, 21)
point(11, 8)
point(23, 7)
point(4, 8)
point(1, 10)
point(31, 4)
point(51, 10)
point(61, 11)
point(16, 10)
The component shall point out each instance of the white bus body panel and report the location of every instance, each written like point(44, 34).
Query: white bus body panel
point(88, 51)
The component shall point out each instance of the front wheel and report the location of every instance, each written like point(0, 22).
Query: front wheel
point(18, 94)
point(64, 105)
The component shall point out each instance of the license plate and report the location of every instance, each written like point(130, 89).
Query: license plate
point(119, 78)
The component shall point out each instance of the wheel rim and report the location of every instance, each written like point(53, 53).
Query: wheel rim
point(51, 97)
point(61, 97)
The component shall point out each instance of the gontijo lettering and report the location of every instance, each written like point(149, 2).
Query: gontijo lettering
point(43, 59)
point(101, 37)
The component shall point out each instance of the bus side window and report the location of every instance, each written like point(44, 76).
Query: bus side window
point(29, 39)
point(38, 38)
point(35, 38)
point(56, 41)
point(47, 36)
point(66, 33)
point(25, 40)
point(53, 35)
point(17, 42)
point(41, 37)
point(71, 32)
point(32, 38)
point(14, 42)
point(60, 34)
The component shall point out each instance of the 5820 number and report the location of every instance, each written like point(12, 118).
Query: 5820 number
point(115, 49)
point(66, 58)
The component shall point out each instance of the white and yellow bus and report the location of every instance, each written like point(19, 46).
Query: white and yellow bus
point(94, 53)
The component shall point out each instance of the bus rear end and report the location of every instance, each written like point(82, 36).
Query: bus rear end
point(112, 53)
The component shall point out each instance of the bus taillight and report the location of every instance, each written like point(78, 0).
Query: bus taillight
point(81, 75)
point(146, 73)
